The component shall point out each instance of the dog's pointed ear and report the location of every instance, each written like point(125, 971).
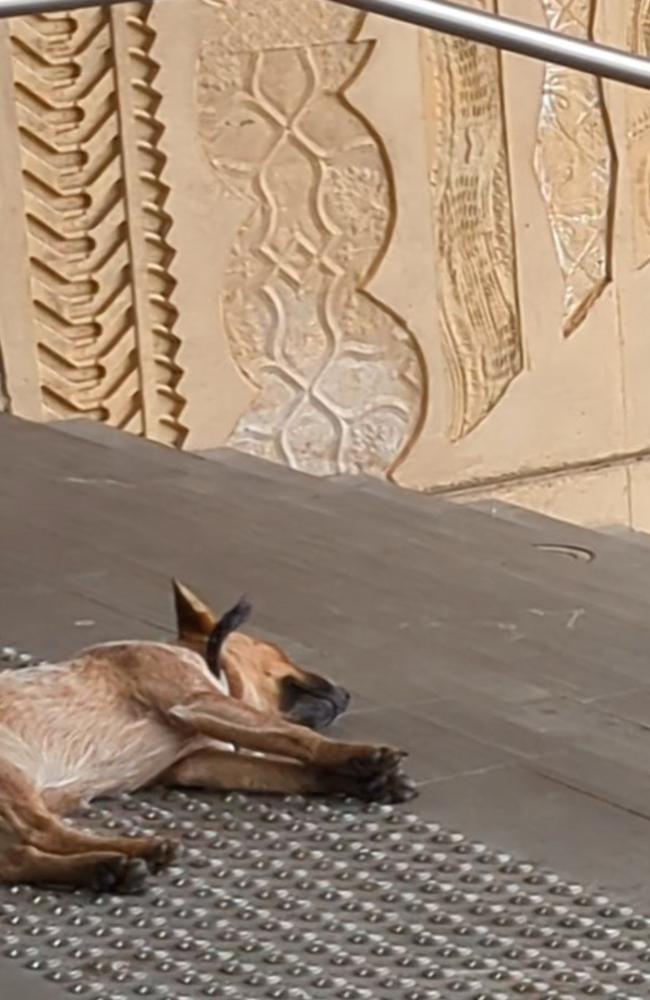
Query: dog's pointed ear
point(228, 623)
point(194, 620)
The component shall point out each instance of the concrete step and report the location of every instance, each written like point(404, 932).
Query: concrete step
point(189, 467)
point(344, 522)
point(629, 535)
point(523, 542)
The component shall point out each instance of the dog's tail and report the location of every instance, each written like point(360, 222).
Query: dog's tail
point(228, 623)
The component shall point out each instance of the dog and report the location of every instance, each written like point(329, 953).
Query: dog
point(217, 710)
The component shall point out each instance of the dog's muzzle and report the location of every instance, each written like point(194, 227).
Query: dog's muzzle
point(315, 707)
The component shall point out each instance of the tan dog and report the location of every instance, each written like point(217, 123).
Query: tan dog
point(122, 716)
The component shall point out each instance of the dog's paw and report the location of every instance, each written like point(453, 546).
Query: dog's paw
point(374, 774)
point(369, 762)
point(160, 854)
point(392, 789)
point(122, 875)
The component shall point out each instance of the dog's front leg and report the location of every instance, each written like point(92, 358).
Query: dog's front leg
point(230, 721)
point(366, 768)
point(223, 770)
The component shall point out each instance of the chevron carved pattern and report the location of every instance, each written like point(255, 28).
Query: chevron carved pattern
point(96, 221)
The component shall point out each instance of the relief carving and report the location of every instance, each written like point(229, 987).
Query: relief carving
point(337, 373)
point(638, 138)
point(575, 167)
point(95, 214)
point(476, 265)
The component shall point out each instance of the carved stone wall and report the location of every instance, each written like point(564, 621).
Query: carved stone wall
point(333, 241)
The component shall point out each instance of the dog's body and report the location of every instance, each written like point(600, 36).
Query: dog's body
point(78, 731)
point(125, 715)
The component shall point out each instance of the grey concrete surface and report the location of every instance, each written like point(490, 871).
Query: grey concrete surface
point(517, 677)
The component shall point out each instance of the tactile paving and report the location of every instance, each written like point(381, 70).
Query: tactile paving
point(295, 899)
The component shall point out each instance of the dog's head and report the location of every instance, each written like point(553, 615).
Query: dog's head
point(259, 673)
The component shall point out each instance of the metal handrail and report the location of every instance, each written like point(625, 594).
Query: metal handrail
point(452, 19)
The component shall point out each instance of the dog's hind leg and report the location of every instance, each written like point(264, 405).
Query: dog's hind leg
point(100, 871)
point(29, 823)
point(223, 770)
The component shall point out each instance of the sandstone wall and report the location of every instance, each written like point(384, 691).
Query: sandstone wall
point(336, 242)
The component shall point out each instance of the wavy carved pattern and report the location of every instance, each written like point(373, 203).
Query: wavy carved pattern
point(338, 374)
point(638, 137)
point(574, 162)
point(479, 313)
point(96, 220)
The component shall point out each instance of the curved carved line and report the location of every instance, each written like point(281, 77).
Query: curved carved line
point(575, 165)
point(638, 137)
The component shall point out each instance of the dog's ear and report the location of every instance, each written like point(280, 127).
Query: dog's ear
point(228, 623)
point(194, 620)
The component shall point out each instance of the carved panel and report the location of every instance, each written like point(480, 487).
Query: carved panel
point(638, 138)
point(95, 213)
point(337, 373)
point(476, 267)
point(575, 165)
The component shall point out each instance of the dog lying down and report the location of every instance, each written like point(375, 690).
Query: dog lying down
point(219, 710)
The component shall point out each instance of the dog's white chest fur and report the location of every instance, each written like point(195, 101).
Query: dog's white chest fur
point(68, 742)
